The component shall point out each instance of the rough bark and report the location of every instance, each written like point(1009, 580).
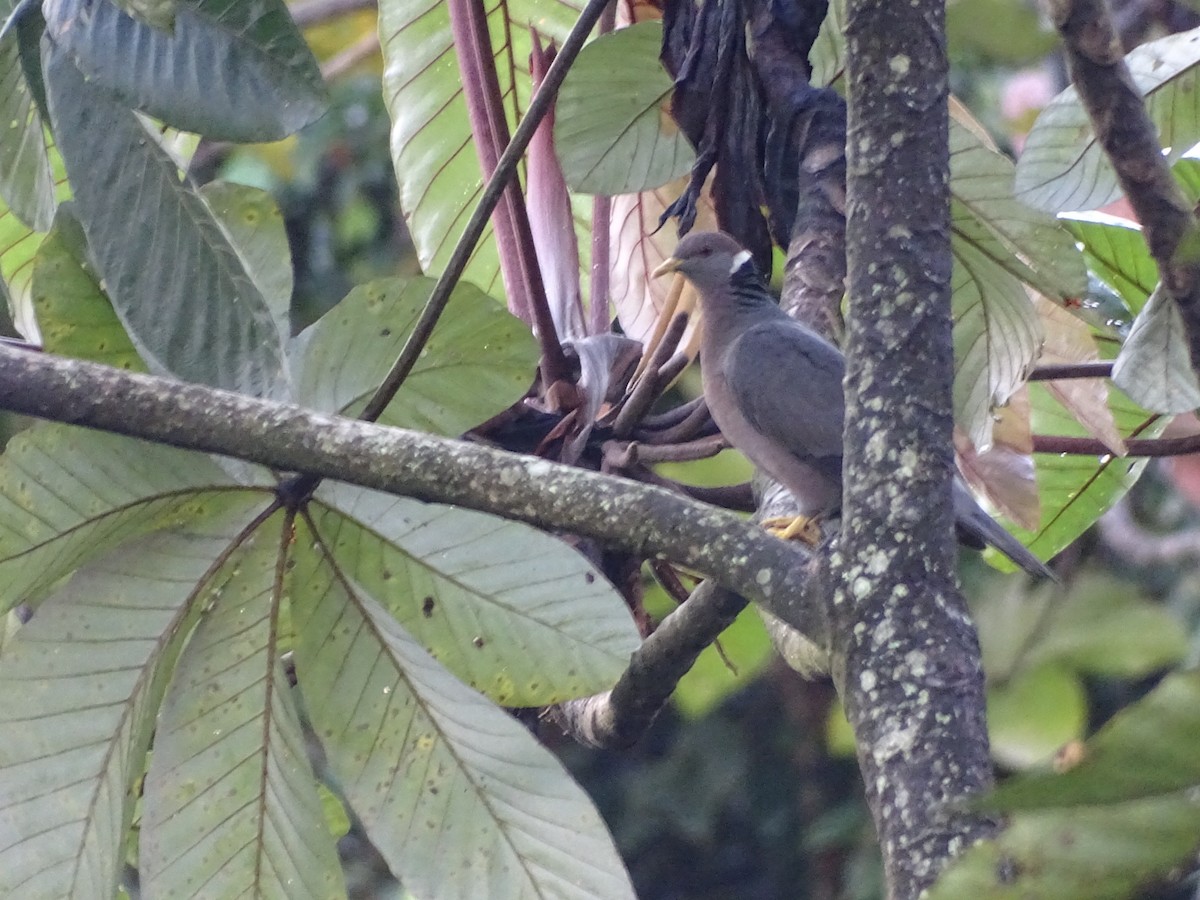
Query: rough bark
point(906, 657)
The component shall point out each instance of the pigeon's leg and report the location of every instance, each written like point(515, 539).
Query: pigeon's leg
point(805, 529)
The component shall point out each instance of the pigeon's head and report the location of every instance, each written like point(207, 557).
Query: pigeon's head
point(708, 259)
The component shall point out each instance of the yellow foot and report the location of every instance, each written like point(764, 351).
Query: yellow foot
point(805, 529)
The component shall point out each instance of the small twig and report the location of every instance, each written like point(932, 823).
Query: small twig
point(601, 264)
point(19, 344)
point(1058, 371)
point(672, 416)
point(704, 448)
point(506, 167)
point(668, 579)
point(1081, 446)
point(601, 225)
point(693, 425)
point(1143, 547)
point(314, 12)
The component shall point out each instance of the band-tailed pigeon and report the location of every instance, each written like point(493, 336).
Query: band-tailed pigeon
point(774, 388)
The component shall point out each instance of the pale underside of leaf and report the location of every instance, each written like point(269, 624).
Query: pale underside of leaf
point(462, 802)
point(511, 611)
point(231, 806)
point(996, 336)
point(479, 361)
point(1041, 252)
point(79, 687)
point(67, 494)
point(1154, 366)
point(613, 131)
point(1063, 166)
point(637, 251)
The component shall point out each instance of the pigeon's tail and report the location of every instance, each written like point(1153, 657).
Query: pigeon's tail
point(978, 527)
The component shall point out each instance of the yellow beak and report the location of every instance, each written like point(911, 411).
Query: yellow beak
point(668, 265)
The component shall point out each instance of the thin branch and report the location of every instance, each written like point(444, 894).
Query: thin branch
point(1130, 140)
point(1059, 371)
point(640, 519)
point(506, 167)
point(618, 718)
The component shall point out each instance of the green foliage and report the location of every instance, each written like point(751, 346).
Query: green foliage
point(612, 131)
point(479, 361)
point(1038, 649)
point(179, 607)
point(1064, 168)
point(229, 70)
point(1124, 813)
point(436, 164)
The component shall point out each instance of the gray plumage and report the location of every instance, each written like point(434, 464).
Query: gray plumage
point(774, 388)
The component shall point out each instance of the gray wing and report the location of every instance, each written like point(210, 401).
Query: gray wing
point(787, 381)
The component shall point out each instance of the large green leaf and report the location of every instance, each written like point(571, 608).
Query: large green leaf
point(459, 798)
point(231, 806)
point(75, 316)
point(613, 130)
point(1154, 366)
point(1042, 252)
point(67, 495)
point(432, 152)
point(1032, 715)
point(26, 181)
point(1147, 749)
point(513, 612)
point(1090, 853)
point(996, 330)
point(180, 289)
point(479, 361)
point(1064, 168)
point(79, 688)
point(228, 69)
point(1124, 814)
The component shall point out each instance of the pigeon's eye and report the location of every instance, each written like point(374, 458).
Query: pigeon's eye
point(706, 251)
